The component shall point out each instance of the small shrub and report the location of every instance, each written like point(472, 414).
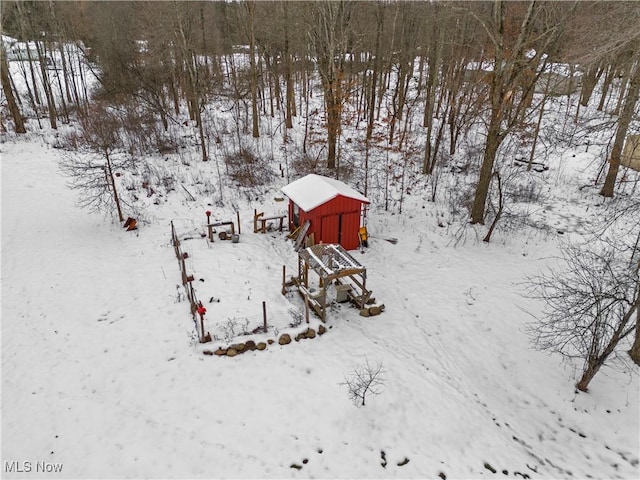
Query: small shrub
point(297, 317)
point(305, 164)
point(247, 169)
point(364, 380)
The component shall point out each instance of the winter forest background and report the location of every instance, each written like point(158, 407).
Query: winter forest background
point(469, 125)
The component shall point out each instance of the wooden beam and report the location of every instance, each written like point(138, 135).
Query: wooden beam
point(345, 273)
point(210, 226)
point(256, 217)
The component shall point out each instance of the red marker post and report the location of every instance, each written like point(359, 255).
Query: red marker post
point(201, 311)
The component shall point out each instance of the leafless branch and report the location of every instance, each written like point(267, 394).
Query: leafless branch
point(364, 380)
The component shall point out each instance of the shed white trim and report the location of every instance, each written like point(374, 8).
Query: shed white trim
point(313, 190)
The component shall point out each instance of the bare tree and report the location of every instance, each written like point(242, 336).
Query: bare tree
point(630, 102)
point(622, 219)
point(185, 36)
point(612, 47)
point(515, 63)
point(38, 19)
point(14, 109)
point(435, 49)
point(590, 304)
point(92, 167)
point(250, 14)
point(329, 27)
point(364, 380)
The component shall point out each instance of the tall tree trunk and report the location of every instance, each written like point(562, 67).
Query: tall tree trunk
point(433, 72)
point(251, 7)
point(608, 78)
point(8, 92)
point(333, 107)
point(193, 83)
point(621, 90)
point(590, 372)
point(112, 181)
point(510, 73)
point(23, 29)
point(290, 104)
point(65, 110)
point(589, 83)
point(621, 132)
point(486, 170)
point(597, 355)
point(330, 41)
point(203, 36)
point(72, 75)
point(376, 69)
point(634, 353)
point(46, 81)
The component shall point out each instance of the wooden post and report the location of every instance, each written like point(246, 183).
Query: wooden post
point(238, 216)
point(306, 308)
point(300, 270)
point(201, 311)
point(284, 279)
point(264, 315)
point(364, 288)
point(184, 270)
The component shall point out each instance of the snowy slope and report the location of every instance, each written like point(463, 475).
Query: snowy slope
point(101, 374)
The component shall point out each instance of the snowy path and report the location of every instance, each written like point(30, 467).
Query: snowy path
point(69, 282)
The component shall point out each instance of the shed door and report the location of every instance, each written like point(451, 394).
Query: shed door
point(349, 225)
point(330, 228)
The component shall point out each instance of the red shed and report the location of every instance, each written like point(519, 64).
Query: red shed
point(333, 208)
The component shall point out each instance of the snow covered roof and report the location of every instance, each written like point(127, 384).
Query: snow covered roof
point(329, 259)
point(314, 190)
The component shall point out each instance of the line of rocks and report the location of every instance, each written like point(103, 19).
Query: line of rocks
point(250, 345)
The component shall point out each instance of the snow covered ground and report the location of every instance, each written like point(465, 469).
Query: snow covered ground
point(101, 373)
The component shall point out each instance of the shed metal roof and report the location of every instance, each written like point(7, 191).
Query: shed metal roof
point(313, 190)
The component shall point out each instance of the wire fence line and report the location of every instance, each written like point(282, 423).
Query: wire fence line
point(197, 309)
point(229, 329)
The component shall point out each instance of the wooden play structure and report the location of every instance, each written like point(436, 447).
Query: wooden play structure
point(335, 269)
point(260, 221)
point(222, 235)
